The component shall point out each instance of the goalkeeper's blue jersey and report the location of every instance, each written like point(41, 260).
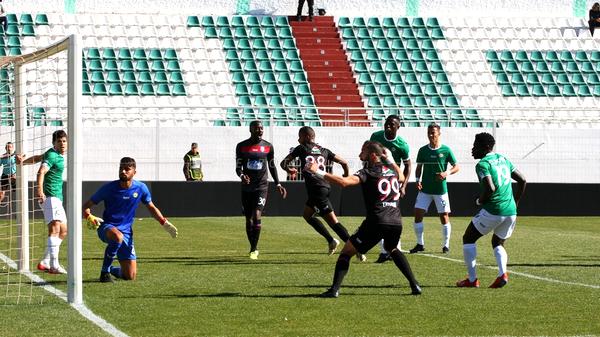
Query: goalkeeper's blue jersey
point(120, 203)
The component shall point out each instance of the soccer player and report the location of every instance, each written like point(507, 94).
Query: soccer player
point(499, 208)
point(388, 137)
point(9, 170)
point(316, 187)
point(254, 156)
point(121, 198)
point(380, 185)
point(433, 160)
point(49, 193)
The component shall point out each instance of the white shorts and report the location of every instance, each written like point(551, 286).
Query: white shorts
point(442, 202)
point(502, 225)
point(54, 210)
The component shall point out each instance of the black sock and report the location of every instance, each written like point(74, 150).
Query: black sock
point(249, 232)
point(341, 231)
point(256, 226)
point(320, 228)
point(341, 269)
point(402, 264)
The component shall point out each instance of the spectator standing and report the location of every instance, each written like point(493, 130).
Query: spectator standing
point(311, 4)
point(9, 170)
point(3, 16)
point(594, 17)
point(192, 165)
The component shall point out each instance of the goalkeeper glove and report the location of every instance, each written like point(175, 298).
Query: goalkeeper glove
point(169, 228)
point(93, 222)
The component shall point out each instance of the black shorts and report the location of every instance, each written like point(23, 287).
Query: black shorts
point(318, 199)
point(369, 234)
point(7, 183)
point(252, 201)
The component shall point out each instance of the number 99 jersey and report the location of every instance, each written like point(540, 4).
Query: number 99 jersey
point(381, 193)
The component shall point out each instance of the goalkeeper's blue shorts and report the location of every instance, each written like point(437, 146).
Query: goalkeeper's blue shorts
point(126, 250)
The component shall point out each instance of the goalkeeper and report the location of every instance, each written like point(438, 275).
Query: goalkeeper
point(121, 198)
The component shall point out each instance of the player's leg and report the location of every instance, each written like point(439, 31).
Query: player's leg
point(470, 237)
point(360, 242)
point(56, 218)
point(325, 208)
point(442, 203)
point(391, 236)
point(114, 240)
point(310, 217)
point(259, 203)
point(4, 184)
point(128, 270)
point(501, 233)
point(421, 206)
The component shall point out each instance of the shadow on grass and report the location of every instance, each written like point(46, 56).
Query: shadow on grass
point(553, 265)
point(227, 260)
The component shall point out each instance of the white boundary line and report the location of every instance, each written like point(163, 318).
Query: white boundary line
point(515, 272)
point(81, 308)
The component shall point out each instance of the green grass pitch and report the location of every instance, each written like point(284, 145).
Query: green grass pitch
point(203, 284)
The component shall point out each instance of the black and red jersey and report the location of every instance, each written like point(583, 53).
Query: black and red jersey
point(313, 153)
point(381, 192)
point(254, 159)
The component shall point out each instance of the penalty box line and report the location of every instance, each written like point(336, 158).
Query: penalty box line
point(81, 308)
point(535, 277)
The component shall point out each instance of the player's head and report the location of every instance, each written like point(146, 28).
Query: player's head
point(596, 7)
point(9, 147)
point(256, 129)
point(483, 144)
point(433, 133)
point(306, 134)
point(59, 141)
point(127, 168)
point(391, 126)
point(194, 148)
point(371, 152)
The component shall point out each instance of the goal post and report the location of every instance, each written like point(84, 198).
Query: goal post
point(24, 92)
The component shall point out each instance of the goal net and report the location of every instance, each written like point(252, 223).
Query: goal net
point(38, 95)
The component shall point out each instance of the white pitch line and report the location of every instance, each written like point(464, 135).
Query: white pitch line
point(516, 272)
point(81, 308)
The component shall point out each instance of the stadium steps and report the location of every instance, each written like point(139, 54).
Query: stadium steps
point(330, 76)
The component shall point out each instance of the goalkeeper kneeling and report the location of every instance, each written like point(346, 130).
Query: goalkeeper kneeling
point(121, 198)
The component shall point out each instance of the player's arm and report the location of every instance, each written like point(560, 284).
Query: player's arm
point(332, 178)
point(343, 163)
point(186, 168)
point(30, 160)
point(166, 225)
point(285, 164)
point(406, 173)
point(388, 159)
point(39, 190)
point(521, 183)
point(418, 172)
point(442, 175)
point(488, 189)
point(239, 168)
point(273, 170)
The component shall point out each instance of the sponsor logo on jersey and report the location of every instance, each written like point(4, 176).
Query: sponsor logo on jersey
point(389, 204)
point(315, 150)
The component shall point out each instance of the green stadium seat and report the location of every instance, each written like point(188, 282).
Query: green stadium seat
point(142, 65)
point(566, 56)
point(344, 22)
point(240, 33)
point(400, 90)
point(252, 21)
point(563, 79)
point(129, 77)
point(12, 30)
point(131, 89)
point(207, 21)
point(281, 21)
point(237, 21)
point(113, 77)
point(147, 90)
point(124, 54)
point(115, 89)
point(144, 77)
point(507, 90)
point(577, 79)
point(403, 22)
point(86, 90)
point(522, 90)
point(28, 30)
point(193, 21)
point(373, 22)
point(175, 77)
point(139, 54)
point(553, 90)
point(41, 19)
point(163, 90)
point(97, 76)
point(593, 79)
point(222, 21)
point(583, 91)
point(267, 21)
point(210, 33)
point(14, 41)
point(157, 66)
point(225, 32)
point(160, 77)
point(178, 90)
point(568, 90)
point(99, 89)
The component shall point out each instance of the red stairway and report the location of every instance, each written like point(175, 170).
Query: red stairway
point(328, 71)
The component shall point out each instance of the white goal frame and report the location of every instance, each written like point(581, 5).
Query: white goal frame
point(74, 163)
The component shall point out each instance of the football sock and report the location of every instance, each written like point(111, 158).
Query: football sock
point(109, 255)
point(255, 234)
point(54, 248)
point(320, 228)
point(341, 269)
point(418, 226)
point(249, 230)
point(46, 258)
point(116, 272)
point(402, 263)
point(501, 259)
point(470, 254)
point(341, 231)
point(446, 229)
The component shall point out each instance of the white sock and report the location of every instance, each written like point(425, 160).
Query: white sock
point(54, 248)
point(46, 258)
point(381, 249)
point(501, 259)
point(470, 255)
point(418, 226)
point(446, 229)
